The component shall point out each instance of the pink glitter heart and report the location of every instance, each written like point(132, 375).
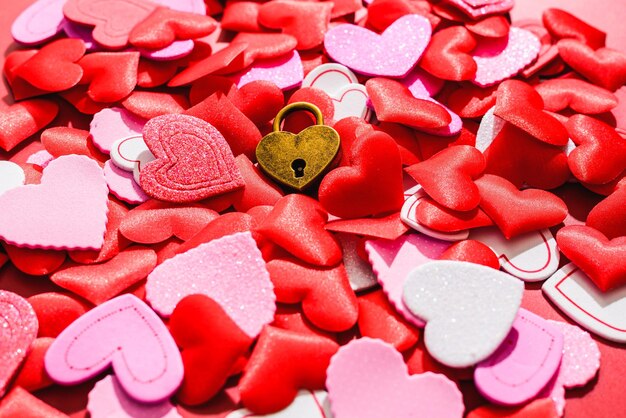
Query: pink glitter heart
point(392, 54)
point(39, 22)
point(476, 10)
point(286, 72)
point(109, 125)
point(18, 329)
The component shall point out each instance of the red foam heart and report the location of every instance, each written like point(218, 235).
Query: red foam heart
point(519, 104)
point(608, 216)
point(563, 25)
point(490, 27)
point(448, 54)
point(111, 76)
point(258, 190)
point(164, 26)
point(394, 102)
point(516, 212)
point(306, 21)
point(471, 251)
point(327, 299)
point(55, 311)
point(472, 101)
point(23, 119)
point(539, 408)
point(61, 140)
point(282, 363)
point(210, 342)
point(604, 67)
point(19, 403)
point(36, 262)
point(387, 227)
point(602, 260)
point(448, 176)
point(54, 67)
point(596, 142)
point(578, 95)
point(32, 375)
point(150, 104)
point(440, 218)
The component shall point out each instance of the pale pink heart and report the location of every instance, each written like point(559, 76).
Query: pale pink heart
point(41, 21)
point(18, 329)
point(391, 54)
point(178, 49)
point(500, 59)
point(107, 399)
point(286, 72)
point(127, 335)
point(40, 158)
point(110, 125)
point(393, 260)
point(230, 270)
point(367, 378)
point(123, 185)
point(524, 363)
point(68, 210)
point(487, 8)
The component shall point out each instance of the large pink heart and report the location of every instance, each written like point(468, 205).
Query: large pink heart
point(68, 210)
point(390, 54)
point(126, 334)
point(18, 329)
point(367, 378)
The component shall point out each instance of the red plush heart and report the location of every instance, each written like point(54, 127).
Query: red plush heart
point(260, 46)
point(32, 375)
point(604, 67)
point(406, 140)
point(19, 403)
point(490, 27)
point(150, 104)
point(297, 225)
point(232, 55)
point(258, 190)
point(387, 227)
point(20, 88)
point(55, 311)
point(306, 21)
point(371, 185)
point(440, 218)
point(539, 408)
point(241, 16)
point(596, 142)
point(62, 140)
point(602, 260)
point(516, 212)
point(54, 67)
point(155, 73)
point(36, 262)
point(519, 104)
point(282, 363)
point(472, 251)
point(164, 26)
point(578, 95)
point(23, 119)
point(259, 100)
point(210, 342)
point(472, 101)
point(448, 176)
point(111, 76)
point(327, 299)
point(608, 216)
point(394, 102)
point(448, 54)
point(382, 13)
point(563, 25)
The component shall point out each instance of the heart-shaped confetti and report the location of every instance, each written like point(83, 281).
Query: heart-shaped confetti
point(41, 21)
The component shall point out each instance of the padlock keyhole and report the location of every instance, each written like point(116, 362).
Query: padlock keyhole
point(298, 167)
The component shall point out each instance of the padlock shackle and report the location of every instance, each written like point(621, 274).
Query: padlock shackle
point(278, 120)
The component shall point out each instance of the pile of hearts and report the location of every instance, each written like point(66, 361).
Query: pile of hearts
point(161, 269)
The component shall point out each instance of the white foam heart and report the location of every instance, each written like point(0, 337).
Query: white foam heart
point(307, 404)
point(351, 100)
point(468, 308)
point(127, 152)
point(329, 77)
point(11, 176)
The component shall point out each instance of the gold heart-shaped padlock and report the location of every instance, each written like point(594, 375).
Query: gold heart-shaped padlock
point(297, 160)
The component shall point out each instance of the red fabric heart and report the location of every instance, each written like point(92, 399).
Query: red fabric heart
point(349, 129)
point(260, 46)
point(388, 227)
point(471, 251)
point(290, 317)
point(227, 224)
point(32, 375)
point(55, 311)
point(371, 185)
point(241, 16)
point(155, 73)
point(210, 342)
point(327, 299)
point(232, 55)
point(19, 403)
point(258, 190)
point(111, 76)
point(490, 27)
point(36, 262)
point(409, 147)
point(516, 212)
point(61, 140)
point(608, 216)
point(596, 142)
point(448, 54)
point(23, 119)
point(448, 176)
point(438, 217)
point(604, 67)
point(54, 67)
point(207, 85)
point(77, 97)
point(539, 408)
point(306, 21)
point(259, 100)
point(602, 260)
point(382, 13)
point(164, 26)
point(430, 145)
point(472, 101)
point(20, 88)
point(297, 121)
point(519, 104)
point(563, 25)
point(150, 104)
point(282, 363)
point(578, 95)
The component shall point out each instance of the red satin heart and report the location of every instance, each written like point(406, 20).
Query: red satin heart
point(382, 13)
point(111, 76)
point(472, 101)
point(539, 408)
point(387, 227)
point(61, 140)
point(77, 97)
point(327, 299)
point(232, 56)
point(349, 129)
point(227, 224)
point(448, 176)
point(306, 21)
point(519, 104)
point(604, 67)
point(297, 121)
point(394, 102)
point(370, 185)
point(578, 95)
point(448, 54)
point(55, 311)
point(164, 26)
point(596, 142)
point(155, 73)
point(259, 100)
point(408, 145)
point(516, 212)
point(563, 25)
point(20, 88)
point(32, 375)
point(53, 67)
point(440, 218)
point(291, 318)
point(608, 216)
point(241, 16)
point(150, 104)
point(602, 260)
point(207, 85)
point(19, 403)
point(258, 190)
point(282, 363)
point(430, 145)
point(23, 119)
point(471, 251)
point(210, 342)
point(490, 27)
point(260, 46)
point(36, 262)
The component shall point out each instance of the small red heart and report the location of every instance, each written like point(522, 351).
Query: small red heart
point(21, 120)
point(440, 218)
point(490, 27)
point(77, 97)
point(516, 212)
point(608, 215)
point(448, 176)
point(471, 251)
point(472, 101)
point(448, 54)
point(406, 140)
point(371, 185)
point(290, 317)
point(207, 85)
point(282, 363)
point(327, 299)
point(539, 408)
point(430, 145)
point(36, 262)
point(55, 311)
point(578, 95)
point(387, 227)
point(150, 104)
point(32, 375)
point(519, 104)
point(604, 67)
point(258, 190)
point(54, 67)
point(111, 76)
point(602, 260)
point(563, 25)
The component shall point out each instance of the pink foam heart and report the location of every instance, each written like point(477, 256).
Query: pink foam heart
point(68, 210)
point(18, 329)
point(391, 54)
point(525, 362)
point(286, 72)
point(230, 270)
point(123, 333)
point(40, 158)
point(108, 399)
point(393, 260)
point(110, 125)
point(122, 184)
point(498, 59)
point(178, 49)
point(368, 378)
point(477, 9)
point(41, 21)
